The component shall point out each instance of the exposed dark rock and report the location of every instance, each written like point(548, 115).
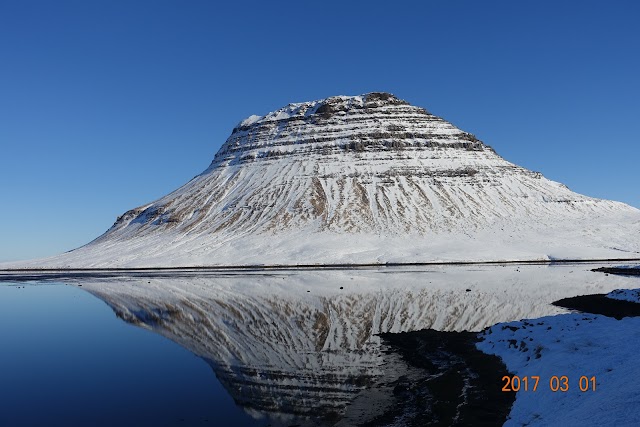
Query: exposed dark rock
point(600, 304)
point(623, 271)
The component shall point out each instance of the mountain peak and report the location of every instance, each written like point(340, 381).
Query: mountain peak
point(324, 107)
point(370, 122)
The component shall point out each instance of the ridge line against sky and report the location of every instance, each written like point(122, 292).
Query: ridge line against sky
point(106, 106)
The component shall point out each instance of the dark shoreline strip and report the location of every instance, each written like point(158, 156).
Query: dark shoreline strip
point(317, 266)
point(619, 270)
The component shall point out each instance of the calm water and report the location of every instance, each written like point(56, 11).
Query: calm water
point(245, 349)
point(67, 360)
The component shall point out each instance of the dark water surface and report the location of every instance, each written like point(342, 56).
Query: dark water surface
point(67, 360)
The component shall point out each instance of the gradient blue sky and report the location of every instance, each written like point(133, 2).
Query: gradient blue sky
point(107, 105)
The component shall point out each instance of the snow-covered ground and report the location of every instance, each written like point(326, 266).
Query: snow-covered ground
point(584, 365)
point(579, 347)
point(632, 295)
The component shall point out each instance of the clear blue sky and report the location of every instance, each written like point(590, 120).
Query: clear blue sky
point(107, 105)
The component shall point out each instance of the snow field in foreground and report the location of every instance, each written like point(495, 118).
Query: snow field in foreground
point(579, 347)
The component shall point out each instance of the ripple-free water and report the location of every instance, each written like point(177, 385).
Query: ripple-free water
point(67, 360)
point(275, 348)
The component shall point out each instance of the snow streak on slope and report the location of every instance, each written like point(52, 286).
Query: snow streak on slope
point(361, 179)
point(296, 343)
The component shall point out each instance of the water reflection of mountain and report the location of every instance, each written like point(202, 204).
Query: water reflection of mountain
point(305, 343)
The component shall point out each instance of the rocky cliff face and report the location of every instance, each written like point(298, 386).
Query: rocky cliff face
point(361, 179)
point(369, 163)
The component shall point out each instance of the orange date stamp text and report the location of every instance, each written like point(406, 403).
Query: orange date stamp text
point(556, 383)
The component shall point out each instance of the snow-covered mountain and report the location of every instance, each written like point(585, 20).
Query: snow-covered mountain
point(360, 179)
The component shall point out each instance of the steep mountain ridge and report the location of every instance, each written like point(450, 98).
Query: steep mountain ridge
point(365, 178)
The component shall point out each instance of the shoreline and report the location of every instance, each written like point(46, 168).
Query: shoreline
point(449, 381)
point(17, 273)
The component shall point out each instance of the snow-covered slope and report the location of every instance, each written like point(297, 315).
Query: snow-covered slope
point(360, 179)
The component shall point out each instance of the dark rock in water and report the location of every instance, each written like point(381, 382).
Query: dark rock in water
point(600, 304)
point(624, 271)
point(450, 382)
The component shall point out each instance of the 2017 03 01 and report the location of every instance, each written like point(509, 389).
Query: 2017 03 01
point(556, 383)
